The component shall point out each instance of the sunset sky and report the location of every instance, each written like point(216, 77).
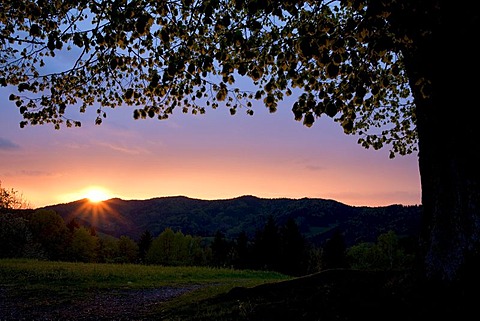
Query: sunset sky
point(211, 156)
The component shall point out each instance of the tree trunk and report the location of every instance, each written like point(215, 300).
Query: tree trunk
point(448, 115)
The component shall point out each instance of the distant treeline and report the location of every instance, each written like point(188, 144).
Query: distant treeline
point(43, 234)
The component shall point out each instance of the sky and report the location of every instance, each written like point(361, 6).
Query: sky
point(210, 156)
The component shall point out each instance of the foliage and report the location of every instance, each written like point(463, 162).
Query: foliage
point(278, 247)
point(386, 254)
point(11, 199)
point(107, 249)
point(127, 249)
point(274, 247)
point(333, 255)
point(16, 238)
point(221, 249)
point(316, 218)
point(158, 56)
point(144, 244)
point(174, 249)
point(267, 246)
point(83, 246)
point(49, 229)
point(294, 250)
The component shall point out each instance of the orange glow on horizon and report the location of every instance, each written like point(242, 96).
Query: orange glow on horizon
point(202, 158)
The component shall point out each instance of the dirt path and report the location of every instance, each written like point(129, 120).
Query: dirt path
point(114, 305)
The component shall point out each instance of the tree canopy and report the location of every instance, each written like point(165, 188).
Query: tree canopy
point(158, 56)
point(391, 72)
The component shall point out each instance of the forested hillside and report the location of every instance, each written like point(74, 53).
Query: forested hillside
point(316, 218)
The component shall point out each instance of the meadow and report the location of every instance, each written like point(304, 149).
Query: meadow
point(29, 286)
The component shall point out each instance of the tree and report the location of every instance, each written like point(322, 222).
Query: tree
point(16, 238)
point(267, 246)
point(11, 199)
point(293, 249)
point(108, 249)
point(334, 250)
point(84, 245)
point(220, 250)
point(241, 248)
point(191, 251)
point(386, 254)
point(48, 229)
point(127, 250)
point(174, 249)
point(393, 72)
point(144, 244)
point(72, 225)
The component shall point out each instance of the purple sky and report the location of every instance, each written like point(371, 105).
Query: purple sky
point(211, 156)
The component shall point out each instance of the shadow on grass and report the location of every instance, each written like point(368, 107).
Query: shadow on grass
point(333, 295)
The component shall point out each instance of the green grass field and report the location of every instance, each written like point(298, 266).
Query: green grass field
point(63, 282)
point(41, 290)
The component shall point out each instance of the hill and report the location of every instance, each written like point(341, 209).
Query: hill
point(317, 218)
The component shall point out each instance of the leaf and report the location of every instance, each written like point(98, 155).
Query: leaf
point(23, 86)
point(332, 70)
point(136, 114)
point(143, 24)
point(347, 125)
point(164, 36)
point(35, 30)
point(331, 110)
point(77, 40)
point(129, 93)
point(308, 120)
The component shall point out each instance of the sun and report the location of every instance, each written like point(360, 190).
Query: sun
point(96, 194)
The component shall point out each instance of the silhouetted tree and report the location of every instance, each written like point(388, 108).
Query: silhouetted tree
point(220, 250)
point(314, 259)
point(242, 251)
point(293, 249)
point(334, 252)
point(266, 247)
point(16, 238)
point(49, 229)
point(144, 244)
point(11, 199)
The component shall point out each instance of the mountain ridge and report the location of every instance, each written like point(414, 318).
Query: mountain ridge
point(317, 218)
